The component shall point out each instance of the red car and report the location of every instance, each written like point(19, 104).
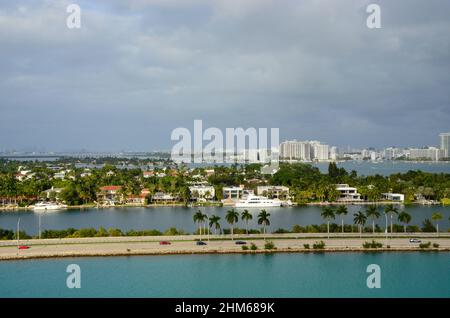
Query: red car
point(23, 247)
point(164, 243)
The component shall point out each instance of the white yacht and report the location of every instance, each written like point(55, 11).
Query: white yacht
point(49, 206)
point(254, 201)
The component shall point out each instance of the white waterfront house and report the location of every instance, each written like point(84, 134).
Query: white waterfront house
point(348, 193)
point(393, 197)
point(202, 192)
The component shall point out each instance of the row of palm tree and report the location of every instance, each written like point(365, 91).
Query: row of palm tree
point(232, 217)
point(360, 218)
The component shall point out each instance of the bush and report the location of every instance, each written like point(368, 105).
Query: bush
point(425, 245)
point(435, 245)
point(298, 229)
point(281, 231)
point(174, 231)
point(319, 245)
point(306, 246)
point(372, 244)
point(253, 247)
point(427, 226)
point(244, 247)
point(269, 245)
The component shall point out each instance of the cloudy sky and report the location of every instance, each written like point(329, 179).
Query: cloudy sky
point(138, 69)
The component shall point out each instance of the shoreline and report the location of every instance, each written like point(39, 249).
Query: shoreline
point(347, 203)
point(225, 252)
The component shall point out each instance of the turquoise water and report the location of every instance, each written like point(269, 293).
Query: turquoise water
point(278, 275)
point(162, 218)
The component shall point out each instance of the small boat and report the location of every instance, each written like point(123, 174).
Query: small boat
point(254, 201)
point(49, 206)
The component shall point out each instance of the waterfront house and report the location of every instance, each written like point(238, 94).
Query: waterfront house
point(202, 192)
point(233, 194)
point(397, 197)
point(139, 199)
point(148, 174)
point(109, 195)
point(273, 192)
point(347, 193)
point(164, 198)
point(53, 193)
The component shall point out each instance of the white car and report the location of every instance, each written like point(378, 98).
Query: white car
point(414, 240)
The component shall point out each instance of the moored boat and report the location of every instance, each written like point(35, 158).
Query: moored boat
point(254, 201)
point(49, 206)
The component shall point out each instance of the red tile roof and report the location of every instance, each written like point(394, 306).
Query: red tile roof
point(110, 188)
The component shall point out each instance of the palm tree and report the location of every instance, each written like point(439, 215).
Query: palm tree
point(342, 210)
point(405, 218)
point(372, 212)
point(360, 219)
point(205, 219)
point(389, 210)
point(328, 214)
point(197, 217)
point(437, 217)
point(232, 217)
point(263, 219)
point(214, 222)
point(246, 216)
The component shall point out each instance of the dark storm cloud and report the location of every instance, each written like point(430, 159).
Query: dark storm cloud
point(138, 69)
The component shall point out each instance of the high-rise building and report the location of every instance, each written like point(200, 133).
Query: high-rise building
point(445, 144)
point(334, 153)
point(295, 150)
point(431, 153)
point(303, 150)
point(319, 151)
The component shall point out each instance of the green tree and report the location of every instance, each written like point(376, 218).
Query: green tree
point(328, 214)
point(198, 219)
point(232, 217)
point(342, 210)
point(214, 222)
point(372, 212)
point(263, 219)
point(246, 217)
point(405, 218)
point(437, 217)
point(359, 219)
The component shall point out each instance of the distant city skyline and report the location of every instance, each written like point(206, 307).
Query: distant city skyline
point(136, 70)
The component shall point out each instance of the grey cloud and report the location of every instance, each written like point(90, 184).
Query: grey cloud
point(137, 69)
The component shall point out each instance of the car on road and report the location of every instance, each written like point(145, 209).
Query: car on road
point(200, 243)
point(164, 243)
point(240, 242)
point(414, 240)
point(23, 247)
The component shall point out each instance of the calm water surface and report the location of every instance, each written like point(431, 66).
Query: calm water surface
point(162, 218)
point(278, 275)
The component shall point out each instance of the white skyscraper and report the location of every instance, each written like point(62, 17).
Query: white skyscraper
point(303, 150)
point(319, 151)
point(445, 144)
point(295, 150)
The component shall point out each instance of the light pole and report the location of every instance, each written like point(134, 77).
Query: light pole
point(18, 234)
point(39, 226)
